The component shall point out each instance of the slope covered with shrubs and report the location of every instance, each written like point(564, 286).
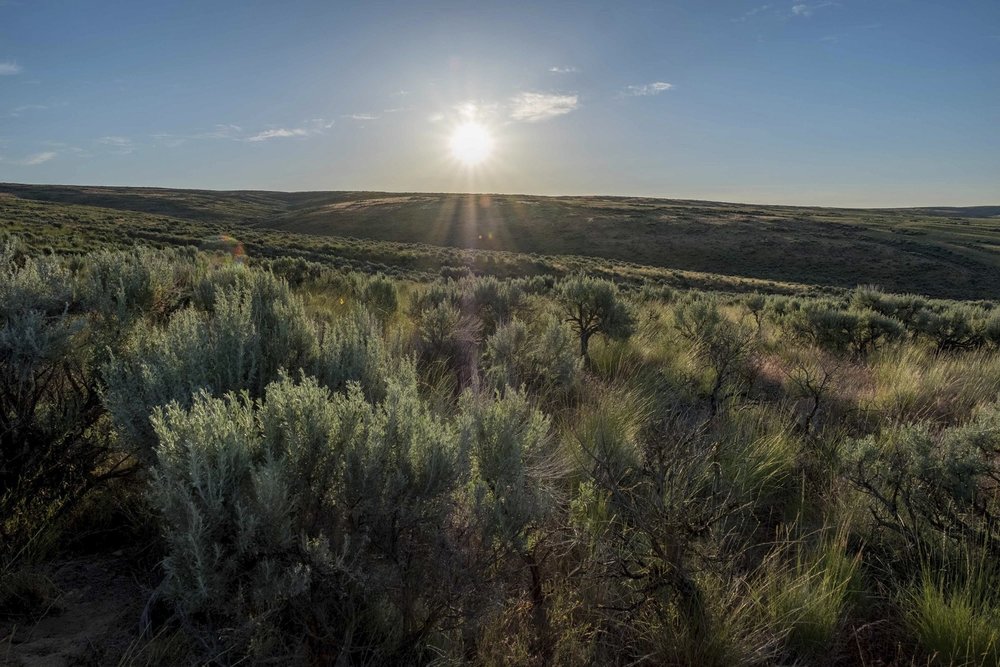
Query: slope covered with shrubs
point(328, 467)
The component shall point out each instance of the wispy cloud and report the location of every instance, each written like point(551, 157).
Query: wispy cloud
point(563, 70)
point(222, 131)
point(118, 145)
point(17, 111)
point(9, 68)
point(38, 158)
point(803, 9)
point(278, 133)
point(231, 132)
point(646, 89)
point(361, 116)
point(533, 107)
point(752, 13)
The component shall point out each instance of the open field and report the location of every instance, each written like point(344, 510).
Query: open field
point(228, 436)
point(947, 253)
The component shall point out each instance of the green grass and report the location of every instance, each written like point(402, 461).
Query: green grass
point(955, 617)
point(952, 253)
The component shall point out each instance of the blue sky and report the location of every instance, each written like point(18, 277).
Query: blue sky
point(850, 102)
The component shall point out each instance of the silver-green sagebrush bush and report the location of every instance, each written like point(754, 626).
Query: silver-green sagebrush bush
point(128, 285)
point(507, 440)
point(724, 346)
point(352, 349)
point(513, 473)
point(545, 361)
point(310, 508)
point(51, 443)
point(923, 483)
point(253, 328)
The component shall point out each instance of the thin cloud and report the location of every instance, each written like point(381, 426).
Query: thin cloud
point(563, 70)
point(534, 107)
point(752, 13)
point(17, 111)
point(9, 68)
point(648, 89)
point(118, 145)
point(231, 132)
point(361, 116)
point(320, 124)
point(802, 9)
point(38, 158)
point(279, 133)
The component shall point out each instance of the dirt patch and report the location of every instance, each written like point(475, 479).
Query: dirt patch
point(95, 615)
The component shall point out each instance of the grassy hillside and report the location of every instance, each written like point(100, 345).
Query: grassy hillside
point(209, 461)
point(946, 252)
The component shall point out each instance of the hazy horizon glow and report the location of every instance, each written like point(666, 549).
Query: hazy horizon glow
point(847, 103)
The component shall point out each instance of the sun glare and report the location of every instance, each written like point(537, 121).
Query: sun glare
point(471, 143)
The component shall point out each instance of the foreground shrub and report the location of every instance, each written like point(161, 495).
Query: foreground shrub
point(513, 471)
point(51, 440)
point(253, 327)
point(307, 510)
point(924, 484)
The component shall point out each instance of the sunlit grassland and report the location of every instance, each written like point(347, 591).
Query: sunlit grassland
point(438, 455)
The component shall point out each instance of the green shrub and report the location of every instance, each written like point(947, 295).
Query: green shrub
point(592, 306)
point(836, 330)
point(906, 308)
point(254, 328)
point(954, 327)
point(494, 301)
point(380, 296)
point(513, 471)
point(546, 362)
point(124, 286)
point(920, 482)
point(308, 509)
point(51, 442)
point(724, 345)
point(352, 349)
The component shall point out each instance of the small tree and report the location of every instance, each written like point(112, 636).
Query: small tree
point(594, 306)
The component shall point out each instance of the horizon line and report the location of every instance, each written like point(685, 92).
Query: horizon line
point(513, 194)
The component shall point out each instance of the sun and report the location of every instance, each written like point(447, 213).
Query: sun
point(471, 143)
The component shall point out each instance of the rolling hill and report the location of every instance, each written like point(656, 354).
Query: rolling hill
point(943, 252)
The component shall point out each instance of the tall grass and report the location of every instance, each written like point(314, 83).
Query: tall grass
point(914, 384)
point(953, 611)
point(807, 591)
